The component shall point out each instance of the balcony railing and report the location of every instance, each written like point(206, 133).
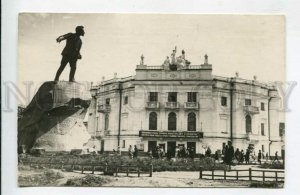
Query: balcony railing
point(251, 109)
point(152, 105)
point(191, 105)
point(104, 108)
point(172, 105)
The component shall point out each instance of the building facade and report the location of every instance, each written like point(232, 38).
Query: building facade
point(179, 104)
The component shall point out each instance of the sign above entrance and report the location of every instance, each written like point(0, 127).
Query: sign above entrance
point(171, 134)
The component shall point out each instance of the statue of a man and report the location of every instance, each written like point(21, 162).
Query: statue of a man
point(173, 56)
point(71, 52)
point(142, 60)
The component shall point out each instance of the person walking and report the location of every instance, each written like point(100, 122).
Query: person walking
point(237, 155)
point(259, 157)
point(135, 153)
point(71, 52)
point(276, 157)
point(247, 156)
point(130, 152)
point(230, 153)
point(242, 156)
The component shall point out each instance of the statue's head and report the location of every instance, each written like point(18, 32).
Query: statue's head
point(79, 30)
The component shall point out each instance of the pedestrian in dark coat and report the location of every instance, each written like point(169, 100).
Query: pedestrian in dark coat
point(230, 153)
point(135, 152)
point(247, 156)
point(242, 156)
point(259, 157)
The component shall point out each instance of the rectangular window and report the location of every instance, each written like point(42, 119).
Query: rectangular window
point(247, 102)
point(126, 100)
point(262, 106)
point(224, 101)
point(123, 144)
point(262, 127)
point(281, 129)
point(192, 96)
point(153, 97)
point(107, 101)
point(262, 148)
point(172, 97)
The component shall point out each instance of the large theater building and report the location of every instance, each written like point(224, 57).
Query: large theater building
point(179, 104)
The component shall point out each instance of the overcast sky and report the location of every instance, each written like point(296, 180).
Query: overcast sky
point(251, 45)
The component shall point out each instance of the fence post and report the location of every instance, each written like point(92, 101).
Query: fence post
point(138, 171)
point(276, 176)
point(200, 176)
point(151, 170)
point(212, 174)
point(237, 175)
point(224, 174)
point(250, 175)
point(127, 171)
point(263, 176)
point(82, 168)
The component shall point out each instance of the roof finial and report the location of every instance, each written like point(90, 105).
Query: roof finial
point(142, 60)
point(206, 59)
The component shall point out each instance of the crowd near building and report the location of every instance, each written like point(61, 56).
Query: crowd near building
point(178, 105)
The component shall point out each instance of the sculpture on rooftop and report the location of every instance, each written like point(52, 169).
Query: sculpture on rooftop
point(177, 62)
point(142, 60)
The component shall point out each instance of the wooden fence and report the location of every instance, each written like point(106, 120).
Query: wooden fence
point(106, 169)
point(245, 174)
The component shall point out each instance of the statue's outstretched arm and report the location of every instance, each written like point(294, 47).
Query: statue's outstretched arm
point(62, 37)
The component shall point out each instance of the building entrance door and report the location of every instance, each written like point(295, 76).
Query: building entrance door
point(102, 146)
point(152, 146)
point(191, 145)
point(171, 149)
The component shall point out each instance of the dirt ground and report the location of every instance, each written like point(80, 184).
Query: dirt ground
point(35, 177)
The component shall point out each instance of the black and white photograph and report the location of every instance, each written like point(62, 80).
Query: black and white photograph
point(151, 100)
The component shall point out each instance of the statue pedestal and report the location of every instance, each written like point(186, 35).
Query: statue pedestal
point(54, 118)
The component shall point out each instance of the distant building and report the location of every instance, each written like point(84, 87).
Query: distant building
point(185, 105)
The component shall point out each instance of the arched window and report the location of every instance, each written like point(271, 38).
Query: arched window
point(248, 124)
point(153, 121)
point(172, 121)
point(106, 122)
point(191, 121)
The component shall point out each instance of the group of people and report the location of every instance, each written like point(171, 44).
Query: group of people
point(182, 152)
point(132, 152)
point(228, 153)
point(242, 157)
point(157, 152)
point(179, 152)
